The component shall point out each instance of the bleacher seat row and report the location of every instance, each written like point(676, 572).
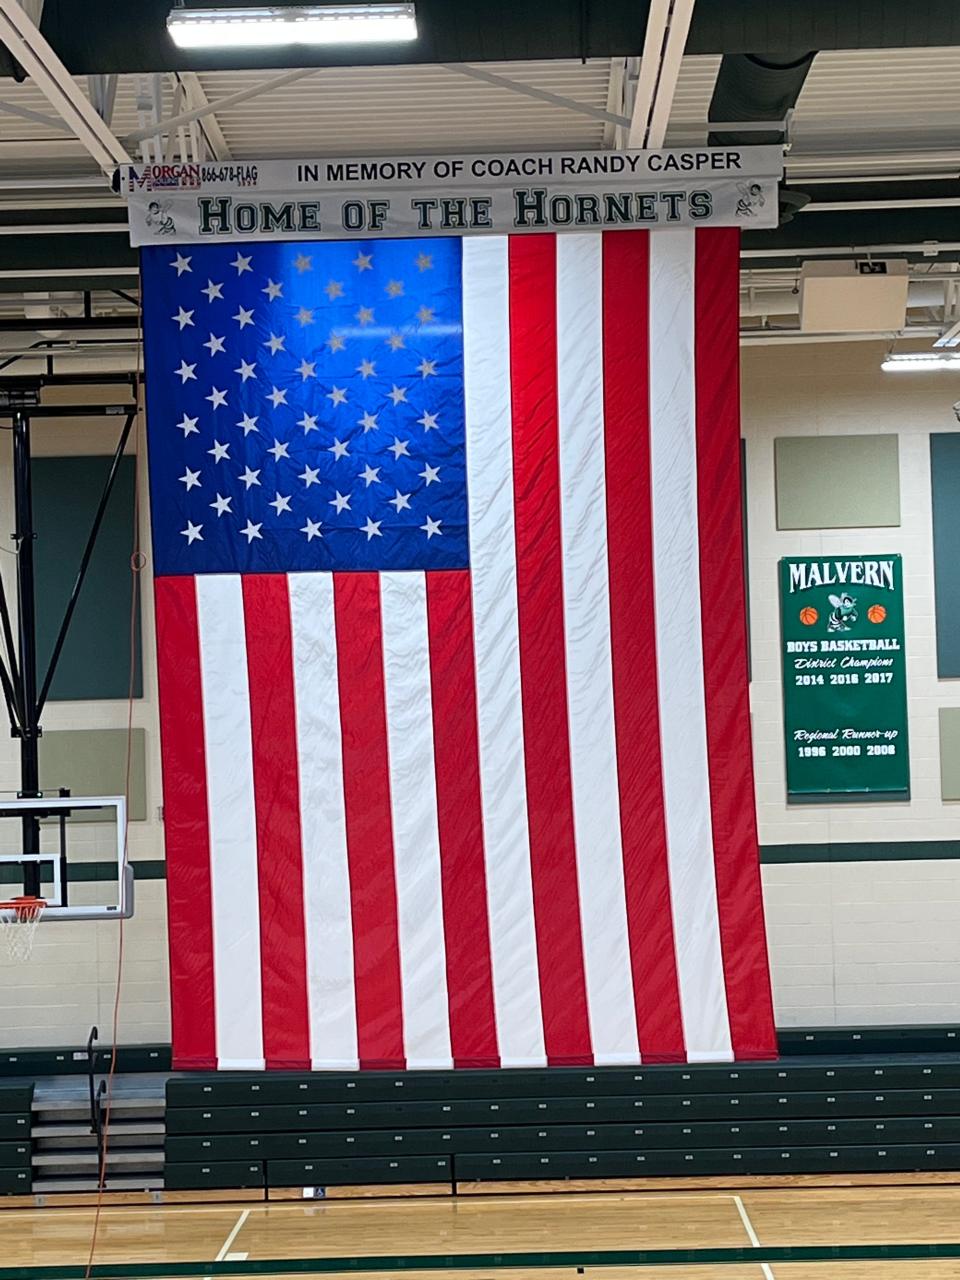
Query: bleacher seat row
point(15, 1146)
point(809, 1115)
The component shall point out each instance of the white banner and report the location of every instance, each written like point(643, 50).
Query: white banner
point(452, 194)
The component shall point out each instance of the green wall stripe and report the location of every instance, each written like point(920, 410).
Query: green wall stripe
point(945, 496)
point(494, 1261)
point(854, 851)
point(770, 855)
point(87, 872)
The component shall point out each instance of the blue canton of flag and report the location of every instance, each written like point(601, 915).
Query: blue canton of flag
point(306, 406)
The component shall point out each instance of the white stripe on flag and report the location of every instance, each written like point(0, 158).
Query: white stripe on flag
point(416, 834)
point(486, 357)
point(593, 748)
point(235, 887)
point(683, 733)
point(326, 880)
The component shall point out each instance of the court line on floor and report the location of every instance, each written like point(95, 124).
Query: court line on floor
point(225, 1247)
point(752, 1235)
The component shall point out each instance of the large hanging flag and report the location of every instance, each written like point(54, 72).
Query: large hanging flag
point(452, 652)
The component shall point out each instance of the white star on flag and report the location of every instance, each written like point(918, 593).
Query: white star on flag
point(339, 449)
point(428, 421)
point(399, 447)
point(427, 368)
point(395, 342)
point(333, 289)
point(277, 396)
point(216, 398)
point(280, 503)
point(249, 477)
point(212, 291)
point(312, 529)
point(425, 315)
point(215, 344)
point(368, 422)
point(252, 531)
point(248, 423)
point(186, 371)
point(431, 527)
point(182, 264)
point(307, 369)
point(401, 501)
point(192, 533)
point(243, 317)
point(183, 318)
point(366, 369)
point(309, 476)
point(246, 370)
point(275, 343)
point(189, 426)
point(305, 316)
point(220, 451)
point(308, 422)
point(279, 450)
point(396, 394)
point(337, 395)
point(241, 263)
point(303, 262)
point(363, 262)
point(423, 261)
point(372, 528)
point(341, 502)
point(365, 315)
point(191, 479)
point(370, 474)
point(431, 475)
point(336, 342)
point(221, 505)
point(394, 288)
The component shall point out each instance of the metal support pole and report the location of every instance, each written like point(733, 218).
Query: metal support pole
point(24, 537)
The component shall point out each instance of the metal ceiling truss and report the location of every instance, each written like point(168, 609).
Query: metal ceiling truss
point(22, 38)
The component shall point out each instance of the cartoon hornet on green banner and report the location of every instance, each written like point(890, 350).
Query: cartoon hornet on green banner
point(844, 613)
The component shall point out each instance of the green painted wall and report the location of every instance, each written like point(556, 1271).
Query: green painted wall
point(93, 762)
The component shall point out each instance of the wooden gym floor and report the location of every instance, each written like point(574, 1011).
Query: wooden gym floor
point(698, 1220)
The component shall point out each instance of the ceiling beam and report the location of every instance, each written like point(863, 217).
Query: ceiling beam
point(531, 91)
point(22, 38)
point(209, 124)
point(230, 100)
point(668, 24)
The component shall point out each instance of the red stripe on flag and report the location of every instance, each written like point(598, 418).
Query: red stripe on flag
point(366, 793)
point(536, 481)
point(726, 680)
point(273, 720)
point(626, 350)
point(185, 824)
point(473, 1029)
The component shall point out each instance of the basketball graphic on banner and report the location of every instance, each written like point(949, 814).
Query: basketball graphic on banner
point(808, 616)
point(876, 613)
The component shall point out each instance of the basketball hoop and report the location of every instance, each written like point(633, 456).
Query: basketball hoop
point(19, 918)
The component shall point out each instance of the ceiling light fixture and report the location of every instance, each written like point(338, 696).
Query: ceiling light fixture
point(913, 361)
point(242, 28)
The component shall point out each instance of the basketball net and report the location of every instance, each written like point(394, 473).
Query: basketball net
point(19, 919)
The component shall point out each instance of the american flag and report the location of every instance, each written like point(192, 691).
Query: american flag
point(452, 654)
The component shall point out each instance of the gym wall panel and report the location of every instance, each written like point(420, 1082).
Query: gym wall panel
point(93, 762)
point(837, 481)
point(945, 497)
point(950, 753)
point(95, 662)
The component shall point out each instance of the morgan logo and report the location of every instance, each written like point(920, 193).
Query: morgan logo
point(160, 177)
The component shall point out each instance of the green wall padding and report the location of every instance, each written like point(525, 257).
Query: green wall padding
point(945, 495)
point(95, 662)
point(837, 482)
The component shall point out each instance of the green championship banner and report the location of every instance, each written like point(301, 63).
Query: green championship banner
point(844, 676)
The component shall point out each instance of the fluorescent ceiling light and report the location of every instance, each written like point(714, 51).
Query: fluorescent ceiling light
point(912, 361)
point(292, 24)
